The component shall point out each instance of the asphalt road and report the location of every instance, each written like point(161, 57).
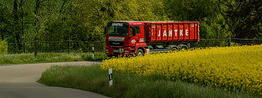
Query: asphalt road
point(19, 81)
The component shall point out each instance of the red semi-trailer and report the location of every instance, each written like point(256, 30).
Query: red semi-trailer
point(139, 37)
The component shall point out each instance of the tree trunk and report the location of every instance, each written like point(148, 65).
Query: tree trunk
point(16, 25)
point(21, 4)
point(36, 24)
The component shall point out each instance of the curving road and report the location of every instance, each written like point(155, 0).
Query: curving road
point(19, 81)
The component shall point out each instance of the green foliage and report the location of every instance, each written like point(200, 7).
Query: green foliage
point(47, 57)
point(84, 20)
point(212, 23)
point(41, 58)
point(244, 18)
point(5, 15)
point(128, 85)
point(97, 57)
point(3, 47)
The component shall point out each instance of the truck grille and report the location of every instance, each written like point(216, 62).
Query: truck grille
point(116, 43)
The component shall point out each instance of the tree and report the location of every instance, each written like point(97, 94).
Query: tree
point(245, 18)
point(5, 22)
point(212, 21)
point(18, 22)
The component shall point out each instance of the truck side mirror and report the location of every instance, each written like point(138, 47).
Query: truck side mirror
point(133, 31)
point(134, 34)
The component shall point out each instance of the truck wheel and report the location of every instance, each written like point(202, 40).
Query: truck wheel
point(175, 49)
point(184, 47)
point(140, 52)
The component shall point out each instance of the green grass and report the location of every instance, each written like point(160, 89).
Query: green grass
point(129, 85)
point(3, 47)
point(48, 57)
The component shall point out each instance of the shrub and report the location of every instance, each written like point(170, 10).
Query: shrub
point(99, 56)
point(3, 47)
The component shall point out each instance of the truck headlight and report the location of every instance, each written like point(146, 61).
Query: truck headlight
point(121, 49)
point(126, 52)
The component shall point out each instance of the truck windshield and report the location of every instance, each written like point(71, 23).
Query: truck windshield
point(117, 29)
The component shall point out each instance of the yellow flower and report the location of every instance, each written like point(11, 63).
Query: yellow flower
point(224, 67)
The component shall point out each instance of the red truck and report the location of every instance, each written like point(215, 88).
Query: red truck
point(138, 37)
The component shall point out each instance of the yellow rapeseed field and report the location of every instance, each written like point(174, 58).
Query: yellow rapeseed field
point(229, 68)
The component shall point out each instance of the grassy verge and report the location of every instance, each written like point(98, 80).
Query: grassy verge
point(48, 57)
point(129, 85)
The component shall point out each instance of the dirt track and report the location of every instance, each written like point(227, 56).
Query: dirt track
point(19, 81)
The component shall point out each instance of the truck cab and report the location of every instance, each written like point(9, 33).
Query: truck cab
point(125, 38)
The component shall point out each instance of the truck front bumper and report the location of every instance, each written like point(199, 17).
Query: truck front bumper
point(116, 51)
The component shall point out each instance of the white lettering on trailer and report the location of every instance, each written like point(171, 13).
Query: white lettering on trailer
point(141, 40)
point(153, 26)
point(176, 32)
point(159, 33)
point(186, 32)
point(192, 25)
point(181, 32)
point(170, 33)
point(164, 33)
point(152, 31)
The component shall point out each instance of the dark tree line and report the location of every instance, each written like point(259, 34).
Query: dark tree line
point(245, 18)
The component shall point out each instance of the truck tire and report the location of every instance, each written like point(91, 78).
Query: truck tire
point(176, 49)
point(140, 52)
point(184, 47)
